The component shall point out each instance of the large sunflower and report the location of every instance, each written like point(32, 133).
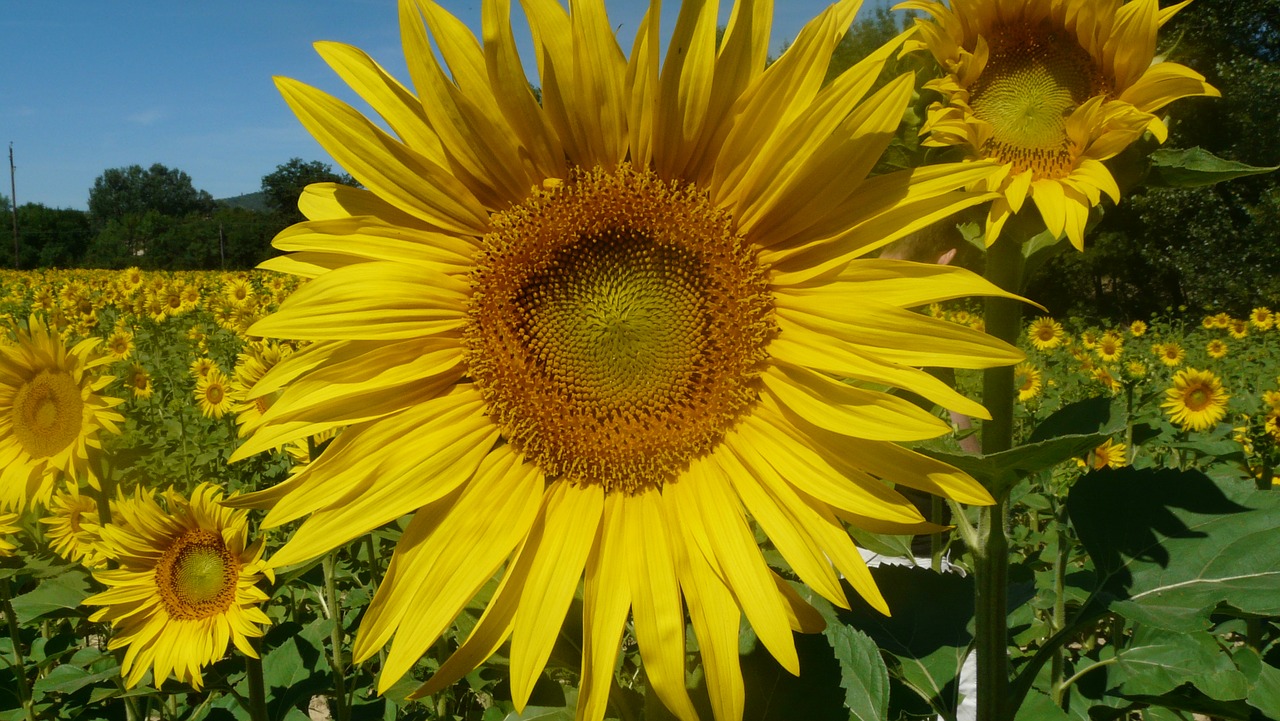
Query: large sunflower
point(185, 586)
point(1049, 89)
point(51, 411)
point(594, 335)
point(1197, 400)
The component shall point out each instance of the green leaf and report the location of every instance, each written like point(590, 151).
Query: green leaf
point(1000, 472)
point(67, 678)
point(1263, 680)
point(1100, 414)
point(295, 670)
point(928, 634)
point(1172, 546)
point(55, 595)
point(1194, 167)
point(863, 675)
point(1158, 661)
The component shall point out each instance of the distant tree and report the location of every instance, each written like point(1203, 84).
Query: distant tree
point(47, 237)
point(283, 185)
point(120, 192)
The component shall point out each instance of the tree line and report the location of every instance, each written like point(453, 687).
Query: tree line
point(155, 218)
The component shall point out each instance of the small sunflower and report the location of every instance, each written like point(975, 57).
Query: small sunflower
point(120, 344)
point(1272, 399)
point(1110, 348)
point(75, 529)
point(1090, 339)
point(186, 584)
point(1045, 333)
point(1028, 380)
point(615, 323)
point(1108, 455)
point(1238, 328)
point(1217, 349)
point(8, 527)
point(1050, 89)
point(200, 367)
point(52, 411)
point(1107, 378)
point(138, 379)
point(1137, 328)
point(213, 393)
point(1196, 401)
point(1262, 318)
point(1171, 354)
point(1135, 370)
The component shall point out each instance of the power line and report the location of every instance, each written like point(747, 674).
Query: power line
point(13, 200)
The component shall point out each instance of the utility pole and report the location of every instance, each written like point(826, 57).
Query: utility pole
point(13, 199)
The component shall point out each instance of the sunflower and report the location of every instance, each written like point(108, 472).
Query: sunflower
point(1049, 89)
point(1196, 401)
point(74, 529)
point(201, 366)
point(1262, 318)
point(1045, 333)
point(1107, 378)
point(51, 412)
point(1090, 339)
point(1110, 348)
point(186, 584)
point(213, 393)
point(1027, 379)
point(1216, 349)
point(1171, 354)
point(251, 365)
point(120, 344)
point(8, 527)
point(1108, 455)
point(1135, 370)
point(1137, 328)
point(592, 335)
point(1238, 328)
point(131, 279)
point(1272, 399)
point(139, 381)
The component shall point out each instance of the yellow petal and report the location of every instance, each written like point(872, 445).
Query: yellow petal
point(606, 599)
point(848, 410)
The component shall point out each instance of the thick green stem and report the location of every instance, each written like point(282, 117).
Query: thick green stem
point(1060, 598)
point(257, 688)
point(340, 711)
point(1003, 318)
point(19, 661)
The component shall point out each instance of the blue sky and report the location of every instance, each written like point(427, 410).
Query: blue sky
point(96, 85)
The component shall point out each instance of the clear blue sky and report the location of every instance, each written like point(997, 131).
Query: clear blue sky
point(87, 86)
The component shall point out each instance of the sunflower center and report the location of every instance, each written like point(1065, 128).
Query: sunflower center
point(214, 393)
point(1197, 399)
point(617, 327)
point(197, 576)
point(1035, 77)
point(47, 413)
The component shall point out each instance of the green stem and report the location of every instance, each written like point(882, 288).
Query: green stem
point(19, 661)
point(335, 638)
point(1003, 318)
point(1076, 676)
point(936, 543)
point(257, 687)
point(1059, 598)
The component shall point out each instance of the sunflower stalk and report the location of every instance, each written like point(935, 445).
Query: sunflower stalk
point(257, 687)
point(19, 661)
point(341, 711)
point(991, 564)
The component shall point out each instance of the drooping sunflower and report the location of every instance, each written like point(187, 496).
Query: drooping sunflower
point(74, 528)
point(8, 527)
point(213, 394)
point(52, 411)
point(1197, 400)
point(594, 335)
point(185, 587)
point(1049, 89)
point(1110, 454)
point(1045, 333)
point(1028, 380)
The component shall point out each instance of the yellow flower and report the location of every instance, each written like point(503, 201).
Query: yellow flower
point(1090, 338)
point(1045, 333)
point(1272, 399)
point(51, 412)
point(1137, 328)
point(1050, 89)
point(1135, 370)
point(1196, 401)
point(592, 335)
point(8, 527)
point(1110, 348)
point(1108, 455)
point(1238, 328)
point(1104, 376)
point(213, 393)
point(139, 381)
point(120, 344)
point(185, 585)
point(74, 529)
point(200, 367)
point(1262, 318)
point(1171, 354)
point(1216, 349)
point(1027, 379)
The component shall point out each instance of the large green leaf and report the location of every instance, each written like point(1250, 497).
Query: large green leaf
point(1171, 546)
point(863, 675)
point(1158, 661)
point(57, 595)
point(1000, 472)
point(1195, 167)
point(929, 632)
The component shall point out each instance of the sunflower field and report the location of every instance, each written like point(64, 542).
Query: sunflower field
point(659, 393)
